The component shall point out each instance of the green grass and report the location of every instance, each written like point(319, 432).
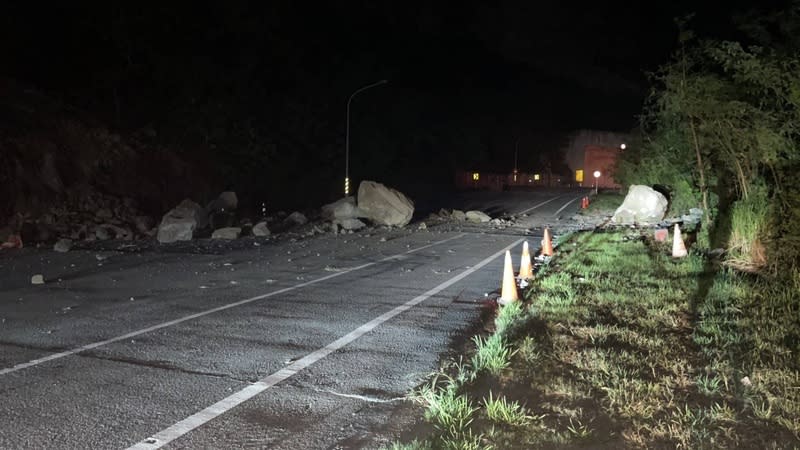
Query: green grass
point(619, 344)
point(492, 354)
point(604, 203)
point(501, 410)
point(413, 445)
point(449, 411)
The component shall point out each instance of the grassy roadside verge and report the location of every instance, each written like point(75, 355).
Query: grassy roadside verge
point(618, 346)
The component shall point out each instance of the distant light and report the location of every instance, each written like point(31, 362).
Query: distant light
point(347, 186)
point(476, 176)
point(529, 180)
point(622, 146)
point(536, 176)
point(597, 174)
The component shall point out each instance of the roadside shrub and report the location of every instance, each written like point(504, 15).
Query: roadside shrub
point(749, 221)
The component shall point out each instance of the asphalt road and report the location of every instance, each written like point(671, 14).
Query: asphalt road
point(286, 343)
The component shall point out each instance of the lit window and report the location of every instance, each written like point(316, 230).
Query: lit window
point(476, 176)
point(536, 176)
point(579, 175)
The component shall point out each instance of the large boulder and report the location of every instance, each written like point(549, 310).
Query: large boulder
point(350, 224)
point(344, 213)
point(228, 233)
point(63, 245)
point(459, 215)
point(260, 229)
point(180, 222)
point(477, 217)
point(384, 205)
point(296, 218)
point(642, 206)
point(344, 208)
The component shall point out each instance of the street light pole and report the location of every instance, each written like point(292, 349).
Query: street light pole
point(516, 153)
point(347, 135)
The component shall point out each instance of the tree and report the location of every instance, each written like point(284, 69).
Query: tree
point(724, 119)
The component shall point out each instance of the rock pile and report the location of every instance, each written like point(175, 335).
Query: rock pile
point(84, 215)
point(88, 215)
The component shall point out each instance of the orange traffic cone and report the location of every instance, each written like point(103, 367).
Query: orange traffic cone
point(584, 202)
point(525, 266)
point(547, 243)
point(509, 292)
point(678, 247)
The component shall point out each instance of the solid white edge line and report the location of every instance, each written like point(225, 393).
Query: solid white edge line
point(94, 345)
point(540, 204)
point(565, 206)
point(200, 418)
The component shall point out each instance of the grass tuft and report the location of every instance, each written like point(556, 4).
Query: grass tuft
point(501, 410)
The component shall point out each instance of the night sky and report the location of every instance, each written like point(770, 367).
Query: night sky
point(466, 79)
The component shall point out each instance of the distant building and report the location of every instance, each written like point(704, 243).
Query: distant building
point(600, 161)
point(587, 152)
point(591, 150)
point(505, 181)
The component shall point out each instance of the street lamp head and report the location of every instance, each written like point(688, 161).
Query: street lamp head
point(622, 146)
point(597, 174)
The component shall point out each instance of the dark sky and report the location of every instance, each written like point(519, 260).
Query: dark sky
point(569, 51)
point(503, 70)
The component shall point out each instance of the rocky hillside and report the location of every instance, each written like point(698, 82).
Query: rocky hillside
point(64, 174)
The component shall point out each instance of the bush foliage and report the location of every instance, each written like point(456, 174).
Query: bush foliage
point(722, 128)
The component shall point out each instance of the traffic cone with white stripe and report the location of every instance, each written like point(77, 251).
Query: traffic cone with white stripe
point(547, 243)
point(678, 247)
point(525, 266)
point(508, 293)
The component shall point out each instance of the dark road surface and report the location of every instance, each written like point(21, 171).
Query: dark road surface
point(282, 343)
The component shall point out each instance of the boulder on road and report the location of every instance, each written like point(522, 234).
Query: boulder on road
point(296, 218)
point(63, 245)
point(350, 224)
point(260, 229)
point(459, 215)
point(344, 208)
point(102, 233)
point(642, 206)
point(229, 233)
point(383, 205)
point(477, 217)
point(180, 223)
